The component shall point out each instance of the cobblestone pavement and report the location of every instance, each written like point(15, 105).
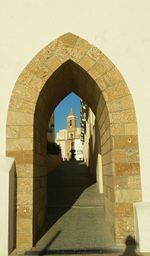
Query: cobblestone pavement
point(76, 223)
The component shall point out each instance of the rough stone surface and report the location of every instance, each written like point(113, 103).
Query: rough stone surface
point(95, 79)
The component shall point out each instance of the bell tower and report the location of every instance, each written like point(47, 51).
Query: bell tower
point(71, 131)
point(71, 121)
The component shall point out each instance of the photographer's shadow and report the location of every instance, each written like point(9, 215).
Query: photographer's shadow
point(131, 245)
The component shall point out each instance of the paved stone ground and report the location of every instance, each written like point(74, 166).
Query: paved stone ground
point(76, 222)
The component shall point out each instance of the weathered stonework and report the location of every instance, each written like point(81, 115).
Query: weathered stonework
point(72, 64)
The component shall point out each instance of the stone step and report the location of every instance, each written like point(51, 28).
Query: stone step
point(72, 252)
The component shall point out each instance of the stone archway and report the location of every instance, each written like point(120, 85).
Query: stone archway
point(72, 64)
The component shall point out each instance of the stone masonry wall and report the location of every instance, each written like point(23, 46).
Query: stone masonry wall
point(68, 64)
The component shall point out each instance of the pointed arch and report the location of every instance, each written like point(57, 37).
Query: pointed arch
point(67, 64)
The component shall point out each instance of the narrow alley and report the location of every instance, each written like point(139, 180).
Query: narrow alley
point(76, 220)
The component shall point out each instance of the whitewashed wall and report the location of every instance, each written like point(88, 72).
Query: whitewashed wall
point(78, 149)
point(8, 208)
point(120, 28)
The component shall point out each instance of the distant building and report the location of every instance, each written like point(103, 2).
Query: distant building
point(69, 138)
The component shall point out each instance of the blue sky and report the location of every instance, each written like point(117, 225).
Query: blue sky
point(63, 108)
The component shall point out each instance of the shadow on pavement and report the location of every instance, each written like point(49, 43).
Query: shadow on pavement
point(65, 185)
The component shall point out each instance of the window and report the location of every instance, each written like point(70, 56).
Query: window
point(70, 122)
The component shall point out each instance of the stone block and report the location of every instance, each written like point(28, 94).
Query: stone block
point(27, 94)
point(66, 70)
point(39, 68)
point(109, 206)
point(37, 183)
point(104, 126)
point(127, 182)
point(24, 240)
point(21, 157)
point(108, 181)
point(39, 203)
point(100, 67)
point(127, 195)
point(134, 182)
point(24, 185)
point(117, 129)
point(40, 218)
point(126, 116)
point(118, 156)
point(132, 155)
point(25, 211)
point(18, 118)
point(103, 117)
point(102, 84)
point(19, 131)
point(95, 53)
point(50, 49)
point(37, 147)
point(56, 48)
point(108, 169)
point(24, 226)
point(131, 129)
point(39, 198)
point(93, 92)
point(106, 158)
point(19, 105)
point(24, 199)
point(36, 83)
point(127, 169)
point(53, 63)
point(105, 136)
point(123, 227)
point(37, 170)
point(106, 147)
point(44, 182)
point(69, 40)
point(123, 141)
point(109, 194)
point(19, 144)
point(109, 79)
point(24, 170)
point(86, 62)
point(39, 159)
point(81, 89)
point(41, 106)
point(100, 107)
point(123, 210)
point(114, 106)
point(117, 91)
point(125, 155)
point(119, 104)
point(24, 78)
point(79, 50)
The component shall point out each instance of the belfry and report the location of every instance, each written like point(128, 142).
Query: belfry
point(69, 138)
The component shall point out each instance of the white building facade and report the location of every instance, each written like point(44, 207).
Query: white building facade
point(69, 138)
point(120, 29)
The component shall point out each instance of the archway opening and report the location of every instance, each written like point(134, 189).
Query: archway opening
point(60, 84)
point(72, 191)
point(72, 64)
